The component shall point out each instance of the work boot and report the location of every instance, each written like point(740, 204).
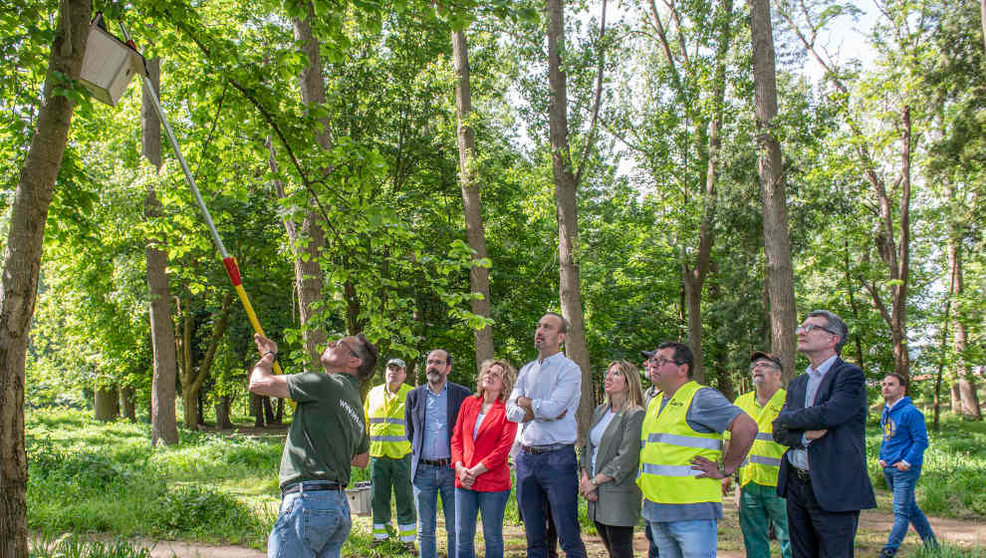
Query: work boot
point(377, 542)
point(410, 548)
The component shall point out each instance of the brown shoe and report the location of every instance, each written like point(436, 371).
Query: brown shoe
point(411, 549)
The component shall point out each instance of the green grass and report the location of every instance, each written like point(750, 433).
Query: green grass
point(76, 546)
point(90, 477)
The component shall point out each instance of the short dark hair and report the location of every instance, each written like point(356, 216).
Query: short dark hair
point(564, 323)
point(834, 325)
point(367, 356)
point(682, 354)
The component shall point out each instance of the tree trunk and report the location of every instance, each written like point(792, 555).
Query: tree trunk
point(968, 398)
point(192, 376)
point(22, 262)
point(567, 213)
point(308, 245)
point(898, 325)
point(164, 425)
point(479, 277)
point(777, 243)
point(955, 398)
point(257, 410)
point(222, 413)
point(127, 405)
point(268, 411)
point(106, 404)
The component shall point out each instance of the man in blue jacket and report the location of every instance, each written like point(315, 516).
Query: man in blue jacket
point(905, 437)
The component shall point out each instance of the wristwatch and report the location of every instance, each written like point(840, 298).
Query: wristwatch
point(593, 482)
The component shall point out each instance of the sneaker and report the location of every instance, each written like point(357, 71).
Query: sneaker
point(411, 549)
point(887, 553)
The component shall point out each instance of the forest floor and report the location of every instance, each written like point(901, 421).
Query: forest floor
point(873, 528)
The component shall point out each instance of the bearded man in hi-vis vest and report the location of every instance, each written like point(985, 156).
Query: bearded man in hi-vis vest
point(759, 503)
point(390, 456)
point(681, 455)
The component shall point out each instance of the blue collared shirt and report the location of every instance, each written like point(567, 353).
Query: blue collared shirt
point(436, 436)
point(554, 386)
point(799, 457)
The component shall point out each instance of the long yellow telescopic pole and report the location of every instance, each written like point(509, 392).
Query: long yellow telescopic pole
point(228, 261)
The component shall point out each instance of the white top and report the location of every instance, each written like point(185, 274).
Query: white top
point(479, 421)
point(596, 435)
point(555, 386)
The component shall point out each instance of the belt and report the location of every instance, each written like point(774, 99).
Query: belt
point(311, 487)
point(443, 462)
point(802, 475)
point(537, 450)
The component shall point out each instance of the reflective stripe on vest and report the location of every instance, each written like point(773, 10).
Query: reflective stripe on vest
point(764, 460)
point(385, 415)
point(668, 446)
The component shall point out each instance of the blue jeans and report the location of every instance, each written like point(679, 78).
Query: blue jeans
point(685, 539)
point(429, 480)
point(310, 524)
point(467, 504)
point(551, 476)
point(906, 511)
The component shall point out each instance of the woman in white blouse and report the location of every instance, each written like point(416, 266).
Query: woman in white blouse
point(610, 458)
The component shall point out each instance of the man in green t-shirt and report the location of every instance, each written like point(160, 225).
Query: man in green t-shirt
point(327, 435)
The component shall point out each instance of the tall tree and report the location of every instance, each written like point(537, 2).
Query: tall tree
point(164, 426)
point(773, 195)
point(892, 238)
point(309, 242)
point(567, 211)
point(22, 261)
point(479, 275)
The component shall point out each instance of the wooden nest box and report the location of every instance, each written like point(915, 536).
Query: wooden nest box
point(109, 64)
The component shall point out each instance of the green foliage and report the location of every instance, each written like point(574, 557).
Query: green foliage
point(89, 477)
point(73, 545)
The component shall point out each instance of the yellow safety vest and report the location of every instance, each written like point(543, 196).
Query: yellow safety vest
point(764, 460)
point(385, 415)
point(668, 446)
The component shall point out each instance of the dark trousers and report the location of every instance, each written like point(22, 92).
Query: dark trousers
point(652, 551)
point(553, 477)
point(617, 540)
point(817, 533)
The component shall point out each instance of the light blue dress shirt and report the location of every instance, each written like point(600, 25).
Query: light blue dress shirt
point(554, 386)
point(799, 457)
point(436, 438)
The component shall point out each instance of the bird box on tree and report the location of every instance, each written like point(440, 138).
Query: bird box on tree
point(109, 64)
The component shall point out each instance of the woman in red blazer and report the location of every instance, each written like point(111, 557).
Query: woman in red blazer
point(481, 441)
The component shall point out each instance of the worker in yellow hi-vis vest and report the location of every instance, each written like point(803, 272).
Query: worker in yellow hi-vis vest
point(681, 456)
point(759, 503)
point(390, 456)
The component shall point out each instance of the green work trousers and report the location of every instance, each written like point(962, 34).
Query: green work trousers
point(759, 506)
point(388, 474)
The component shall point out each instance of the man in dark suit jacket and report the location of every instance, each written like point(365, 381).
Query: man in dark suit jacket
point(823, 474)
point(429, 418)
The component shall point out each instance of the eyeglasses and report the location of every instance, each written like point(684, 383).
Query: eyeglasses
point(763, 364)
point(659, 361)
point(342, 342)
point(808, 328)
